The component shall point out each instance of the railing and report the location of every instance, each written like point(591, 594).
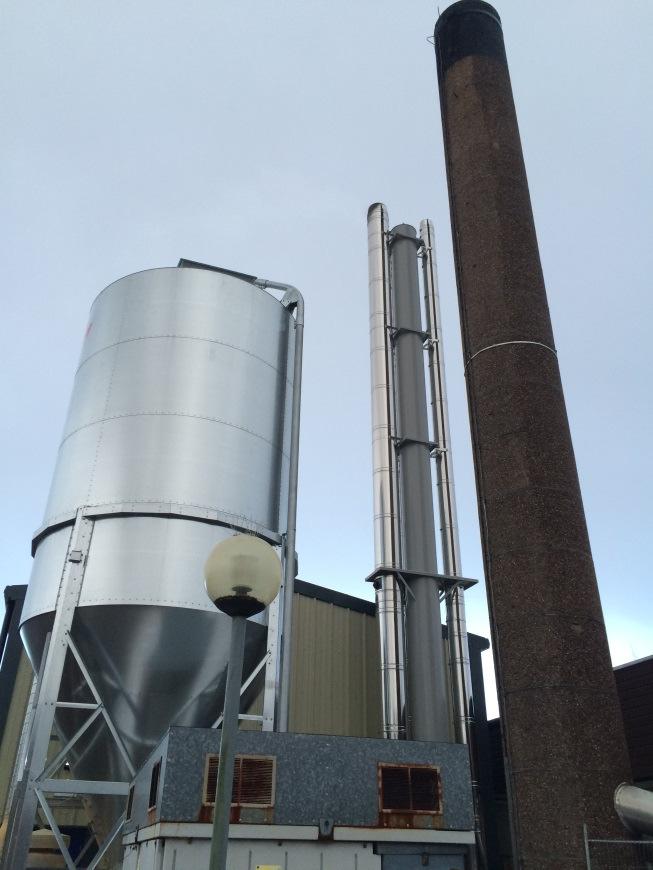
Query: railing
point(617, 854)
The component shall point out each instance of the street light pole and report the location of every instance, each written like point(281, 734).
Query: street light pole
point(224, 787)
point(242, 576)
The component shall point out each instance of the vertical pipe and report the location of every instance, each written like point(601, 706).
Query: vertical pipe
point(428, 717)
point(559, 707)
point(459, 664)
point(290, 564)
point(384, 479)
point(456, 624)
point(292, 299)
point(42, 719)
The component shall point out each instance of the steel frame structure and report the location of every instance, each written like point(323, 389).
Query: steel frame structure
point(36, 776)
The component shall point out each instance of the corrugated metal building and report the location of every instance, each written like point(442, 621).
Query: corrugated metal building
point(336, 666)
point(336, 684)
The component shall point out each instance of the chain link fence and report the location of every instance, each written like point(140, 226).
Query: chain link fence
point(618, 854)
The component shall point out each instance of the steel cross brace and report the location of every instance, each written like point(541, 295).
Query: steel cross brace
point(245, 686)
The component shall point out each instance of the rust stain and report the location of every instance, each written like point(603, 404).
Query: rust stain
point(240, 815)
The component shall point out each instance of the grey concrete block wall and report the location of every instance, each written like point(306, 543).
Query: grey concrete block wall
point(317, 777)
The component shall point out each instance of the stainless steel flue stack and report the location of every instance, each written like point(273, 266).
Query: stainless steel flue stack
point(416, 700)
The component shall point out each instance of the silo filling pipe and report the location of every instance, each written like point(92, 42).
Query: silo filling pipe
point(292, 299)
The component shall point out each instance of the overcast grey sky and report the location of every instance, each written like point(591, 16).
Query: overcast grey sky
point(254, 135)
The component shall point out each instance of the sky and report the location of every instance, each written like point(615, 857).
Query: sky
point(254, 135)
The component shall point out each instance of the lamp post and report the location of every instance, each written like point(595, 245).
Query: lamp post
point(243, 576)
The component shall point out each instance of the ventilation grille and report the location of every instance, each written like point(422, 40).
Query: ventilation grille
point(254, 781)
point(410, 789)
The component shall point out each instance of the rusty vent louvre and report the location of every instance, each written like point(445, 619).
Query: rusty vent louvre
point(410, 789)
point(254, 780)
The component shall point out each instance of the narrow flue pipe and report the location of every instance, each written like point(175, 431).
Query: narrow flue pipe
point(451, 566)
point(384, 476)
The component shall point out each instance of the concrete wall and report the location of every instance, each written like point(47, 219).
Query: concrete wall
point(316, 777)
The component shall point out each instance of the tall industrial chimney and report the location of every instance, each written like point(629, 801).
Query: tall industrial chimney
point(562, 732)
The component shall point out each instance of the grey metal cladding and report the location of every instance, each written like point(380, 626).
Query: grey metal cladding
point(181, 396)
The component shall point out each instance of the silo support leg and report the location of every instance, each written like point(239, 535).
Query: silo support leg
point(272, 666)
point(45, 703)
point(36, 779)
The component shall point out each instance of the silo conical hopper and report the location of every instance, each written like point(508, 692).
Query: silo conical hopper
point(178, 433)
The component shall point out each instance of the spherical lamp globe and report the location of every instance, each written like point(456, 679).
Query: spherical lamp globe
point(242, 575)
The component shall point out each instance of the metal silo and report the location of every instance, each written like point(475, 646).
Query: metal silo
point(180, 430)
